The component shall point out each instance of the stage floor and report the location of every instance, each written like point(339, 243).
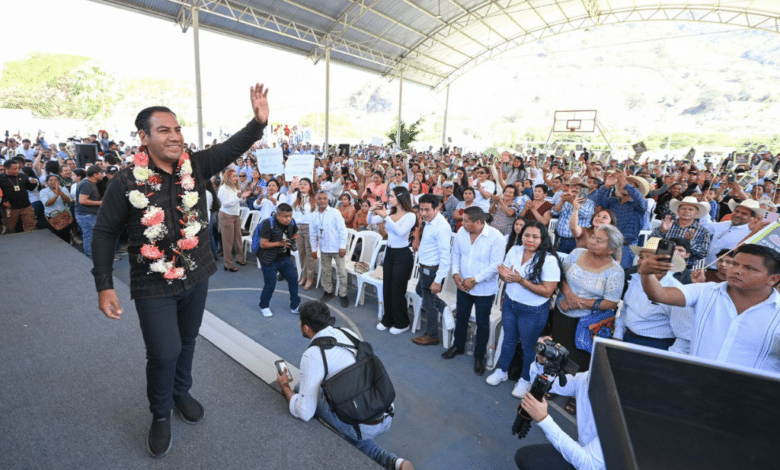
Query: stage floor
point(72, 393)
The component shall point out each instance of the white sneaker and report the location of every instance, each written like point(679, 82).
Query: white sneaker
point(266, 312)
point(522, 387)
point(497, 377)
point(401, 464)
point(398, 331)
point(295, 310)
point(380, 326)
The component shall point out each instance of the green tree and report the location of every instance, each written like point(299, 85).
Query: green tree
point(408, 134)
point(59, 85)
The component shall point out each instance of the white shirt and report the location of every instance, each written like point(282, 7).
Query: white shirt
point(303, 404)
point(750, 339)
point(327, 231)
point(301, 214)
point(655, 320)
point(397, 232)
point(267, 207)
point(479, 260)
point(551, 272)
point(228, 197)
point(488, 186)
point(585, 453)
point(724, 235)
point(435, 246)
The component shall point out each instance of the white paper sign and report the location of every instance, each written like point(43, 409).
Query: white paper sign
point(270, 161)
point(377, 141)
point(301, 166)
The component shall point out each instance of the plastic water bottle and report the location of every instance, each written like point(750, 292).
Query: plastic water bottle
point(471, 339)
point(491, 356)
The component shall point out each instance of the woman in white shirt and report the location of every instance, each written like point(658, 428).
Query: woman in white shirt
point(302, 202)
point(532, 272)
point(230, 220)
point(397, 267)
point(266, 203)
point(55, 199)
point(416, 192)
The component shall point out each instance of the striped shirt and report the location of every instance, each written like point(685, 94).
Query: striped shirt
point(700, 243)
point(629, 215)
point(584, 217)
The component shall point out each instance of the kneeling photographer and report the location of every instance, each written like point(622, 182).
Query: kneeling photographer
point(337, 365)
point(563, 452)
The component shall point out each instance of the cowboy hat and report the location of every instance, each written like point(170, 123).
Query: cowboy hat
point(640, 183)
point(704, 208)
point(749, 204)
point(652, 245)
point(577, 181)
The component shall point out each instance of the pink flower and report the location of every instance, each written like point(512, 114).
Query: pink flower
point(153, 216)
point(188, 183)
point(154, 179)
point(141, 159)
point(174, 273)
point(187, 243)
point(151, 252)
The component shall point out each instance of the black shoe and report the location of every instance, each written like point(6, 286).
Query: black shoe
point(191, 411)
point(479, 366)
point(159, 442)
point(452, 352)
point(326, 297)
point(344, 301)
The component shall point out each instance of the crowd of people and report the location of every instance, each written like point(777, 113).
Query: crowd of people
point(564, 249)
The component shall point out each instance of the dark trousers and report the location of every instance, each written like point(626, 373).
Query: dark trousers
point(658, 343)
point(396, 271)
point(482, 305)
point(431, 303)
point(563, 331)
point(40, 215)
point(565, 245)
point(170, 326)
point(287, 268)
point(541, 457)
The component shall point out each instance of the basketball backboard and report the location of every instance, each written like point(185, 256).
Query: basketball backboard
point(579, 121)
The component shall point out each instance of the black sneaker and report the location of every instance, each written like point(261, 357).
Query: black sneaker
point(190, 410)
point(344, 301)
point(326, 297)
point(159, 442)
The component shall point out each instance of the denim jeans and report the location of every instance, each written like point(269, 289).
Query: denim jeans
point(658, 343)
point(287, 268)
point(566, 245)
point(367, 433)
point(170, 326)
point(432, 305)
point(482, 305)
point(524, 323)
point(86, 222)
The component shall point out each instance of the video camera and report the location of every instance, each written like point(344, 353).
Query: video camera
point(557, 365)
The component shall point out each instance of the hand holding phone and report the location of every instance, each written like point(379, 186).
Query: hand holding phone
point(282, 369)
point(665, 249)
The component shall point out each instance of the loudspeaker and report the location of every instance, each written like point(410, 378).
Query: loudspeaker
point(86, 155)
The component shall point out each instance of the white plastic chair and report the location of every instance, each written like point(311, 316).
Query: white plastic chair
point(369, 241)
point(244, 214)
point(644, 235)
point(376, 260)
point(246, 240)
point(551, 229)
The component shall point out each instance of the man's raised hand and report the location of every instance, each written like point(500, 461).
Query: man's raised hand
point(259, 97)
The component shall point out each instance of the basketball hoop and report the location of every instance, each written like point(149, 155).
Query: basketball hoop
point(573, 125)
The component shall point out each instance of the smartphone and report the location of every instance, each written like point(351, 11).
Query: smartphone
point(281, 367)
point(732, 178)
point(665, 248)
point(771, 217)
point(583, 193)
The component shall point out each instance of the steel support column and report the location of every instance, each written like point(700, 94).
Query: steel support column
point(400, 102)
point(325, 150)
point(446, 111)
point(198, 99)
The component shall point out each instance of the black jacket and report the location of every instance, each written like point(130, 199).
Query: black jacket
point(18, 199)
point(116, 212)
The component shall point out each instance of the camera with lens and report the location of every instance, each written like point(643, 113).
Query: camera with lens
point(557, 364)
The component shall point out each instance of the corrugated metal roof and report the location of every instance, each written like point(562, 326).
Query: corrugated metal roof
point(433, 42)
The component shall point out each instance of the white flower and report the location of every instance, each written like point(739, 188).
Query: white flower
point(186, 167)
point(189, 200)
point(192, 229)
point(137, 199)
point(141, 174)
point(160, 266)
point(155, 232)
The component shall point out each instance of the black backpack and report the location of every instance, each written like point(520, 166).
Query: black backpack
point(362, 392)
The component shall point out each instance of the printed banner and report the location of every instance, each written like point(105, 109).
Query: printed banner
point(270, 161)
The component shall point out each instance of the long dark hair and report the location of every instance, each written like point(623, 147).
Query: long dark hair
point(299, 199)
point(514, 238)
point(463, 182)
point(545, 248)
point(404, 199)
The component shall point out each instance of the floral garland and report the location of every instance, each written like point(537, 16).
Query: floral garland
point(154, 217)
